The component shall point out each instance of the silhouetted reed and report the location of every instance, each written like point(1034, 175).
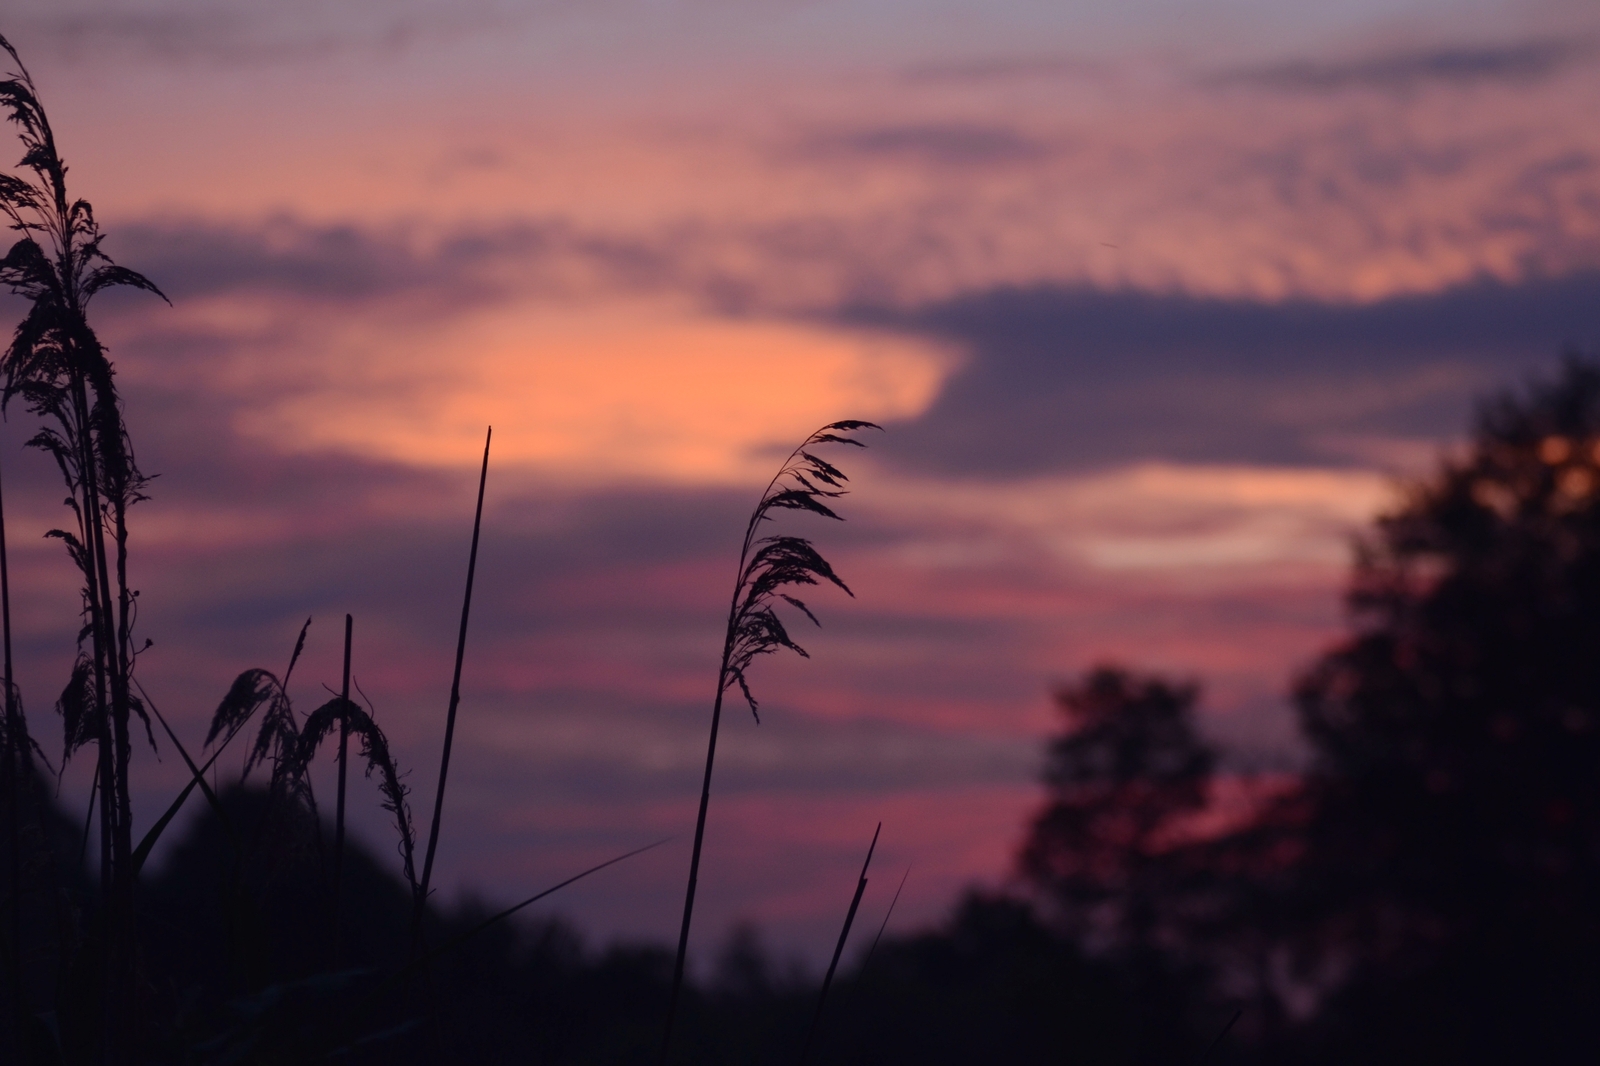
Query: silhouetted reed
point(349, 717)
point(455, 701)
point(277, 743)
point(766, 566)
point(337, 901)
point(59, 368)
point(278, 739)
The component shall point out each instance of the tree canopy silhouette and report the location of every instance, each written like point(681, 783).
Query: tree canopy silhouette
point(1453, 837)
point(1128, 767)
point(1432, 885)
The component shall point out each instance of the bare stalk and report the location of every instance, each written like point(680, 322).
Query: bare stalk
point(15, 738)
point(455, 701)
point(338, 816)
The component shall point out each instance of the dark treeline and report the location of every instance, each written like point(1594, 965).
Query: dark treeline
point(238, 966)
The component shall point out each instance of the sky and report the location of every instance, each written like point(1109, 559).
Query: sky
point(1159, 304)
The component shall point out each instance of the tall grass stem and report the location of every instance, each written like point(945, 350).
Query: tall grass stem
point(694, 876)
point(455, 701)
point(1206, 1054)
point(338, 817)
point(15, 754)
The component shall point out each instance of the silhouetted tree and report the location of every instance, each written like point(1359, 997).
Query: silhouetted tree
point(1126, 771)
point(1452, 835)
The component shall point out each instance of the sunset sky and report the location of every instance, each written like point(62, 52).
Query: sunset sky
point(1158, 300)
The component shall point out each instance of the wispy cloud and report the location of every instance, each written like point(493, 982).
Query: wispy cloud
point(1008, 68)
point(345, 263)
point(949, 144)
point(233, 34)
point(1520, 63)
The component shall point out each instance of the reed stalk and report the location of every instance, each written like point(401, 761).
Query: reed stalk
point(14, 758)
point(851, 995)
point(338, 817)
point(422, 888)
point(766, 565)
point(60, 369)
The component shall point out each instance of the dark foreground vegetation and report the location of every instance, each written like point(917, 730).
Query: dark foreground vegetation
point(236, 956)
point(1427, 889)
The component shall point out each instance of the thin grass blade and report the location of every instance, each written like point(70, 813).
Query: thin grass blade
point(142, 852)
point(455, 702)
point(1206, 1054)
point(838, 950)
point(886, 916)
point(427, 958)
point(338, 815)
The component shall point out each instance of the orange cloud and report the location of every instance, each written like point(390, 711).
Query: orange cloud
point(602, 391)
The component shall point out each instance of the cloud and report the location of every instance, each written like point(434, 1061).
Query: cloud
point(1523, 63)
point(343, 263)
point(1071, 378)
point(580, 347)
point(233, 34)
point(962, 72)
point(1335, 208)
point(580, 350)
point(945, 144)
